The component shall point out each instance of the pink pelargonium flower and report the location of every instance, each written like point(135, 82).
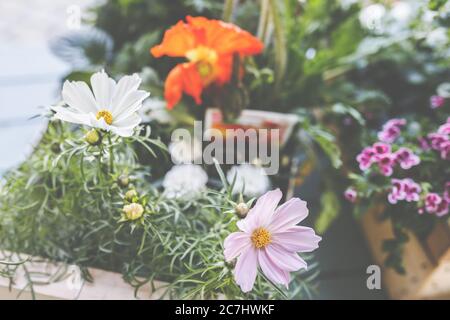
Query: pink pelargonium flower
point(445, 150)
point(269, 238)
point(391, 130)
point(437, 139)
point(445, 128)
point(423, 143)
point(386, 163)
point(447, 191)
point(404, 189)
point(436, 102)
point(351, 195)
point(443, 208)
point(366, 158)
point(432, 202)
point(406, 158)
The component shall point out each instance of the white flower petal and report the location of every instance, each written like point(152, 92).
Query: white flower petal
point(131, 103)
point(250, 179)
point(185, 181)
point(65, 114)
point(78, 96)
point(123, 132)
point(124, 86)
point(98, 123)
point(132, 121)
point(103, 87)
point(122, 100)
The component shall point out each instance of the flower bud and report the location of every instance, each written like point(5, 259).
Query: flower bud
point(55, 147)
point(123, 180)
point(241, 209)
point(130, 195)
point(93, 137)
point(133, 211)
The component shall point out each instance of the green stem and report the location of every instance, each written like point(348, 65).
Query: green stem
point(111, 155)
point(263, 20)
point(280, 44)
point(228, 10)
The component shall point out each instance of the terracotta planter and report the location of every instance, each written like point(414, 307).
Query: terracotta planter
point(427, 263)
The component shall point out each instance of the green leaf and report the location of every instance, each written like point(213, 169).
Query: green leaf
point(330, 210)
point(328, 144)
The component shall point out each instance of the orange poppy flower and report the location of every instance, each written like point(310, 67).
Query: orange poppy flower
point(209, 46)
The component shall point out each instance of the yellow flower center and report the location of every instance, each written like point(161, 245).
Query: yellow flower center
point(205, 59)
point(202, 53)
point(106, 115)
point(261, 237)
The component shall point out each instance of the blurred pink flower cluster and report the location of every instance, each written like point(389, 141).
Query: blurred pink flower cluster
point(391, 130)
point(437, 102)
point(435, 204)
point(439, 140)
point(382, 155)
point(404, 189)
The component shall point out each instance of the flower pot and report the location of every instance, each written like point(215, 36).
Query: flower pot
point(55, 281)
point(427, 263)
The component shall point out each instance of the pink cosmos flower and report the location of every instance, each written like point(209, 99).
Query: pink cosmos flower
point(351, 195)
point(436, 102)
point(391, 130)
point(269, 238)
point(432, 202)
point(406, 158)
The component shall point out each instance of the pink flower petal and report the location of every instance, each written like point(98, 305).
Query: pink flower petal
point(297, 238)
point(271, 270)
point(235, 244)
point(288, 215)
point(246, 269)
point(261, 213)
point(285, 260)
point(248, 224)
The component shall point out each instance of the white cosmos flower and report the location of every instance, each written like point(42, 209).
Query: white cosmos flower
point(250, 178)
point(154, 109)
point(109, 106)
point(185, 181)
point(185, 151)
point(371, 17)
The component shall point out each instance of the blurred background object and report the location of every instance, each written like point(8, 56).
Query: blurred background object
point(30, 74)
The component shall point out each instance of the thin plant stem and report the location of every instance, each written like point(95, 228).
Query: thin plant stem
point(263, 20)
point(111, 155)
point(280, 44)
point(228, 10)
